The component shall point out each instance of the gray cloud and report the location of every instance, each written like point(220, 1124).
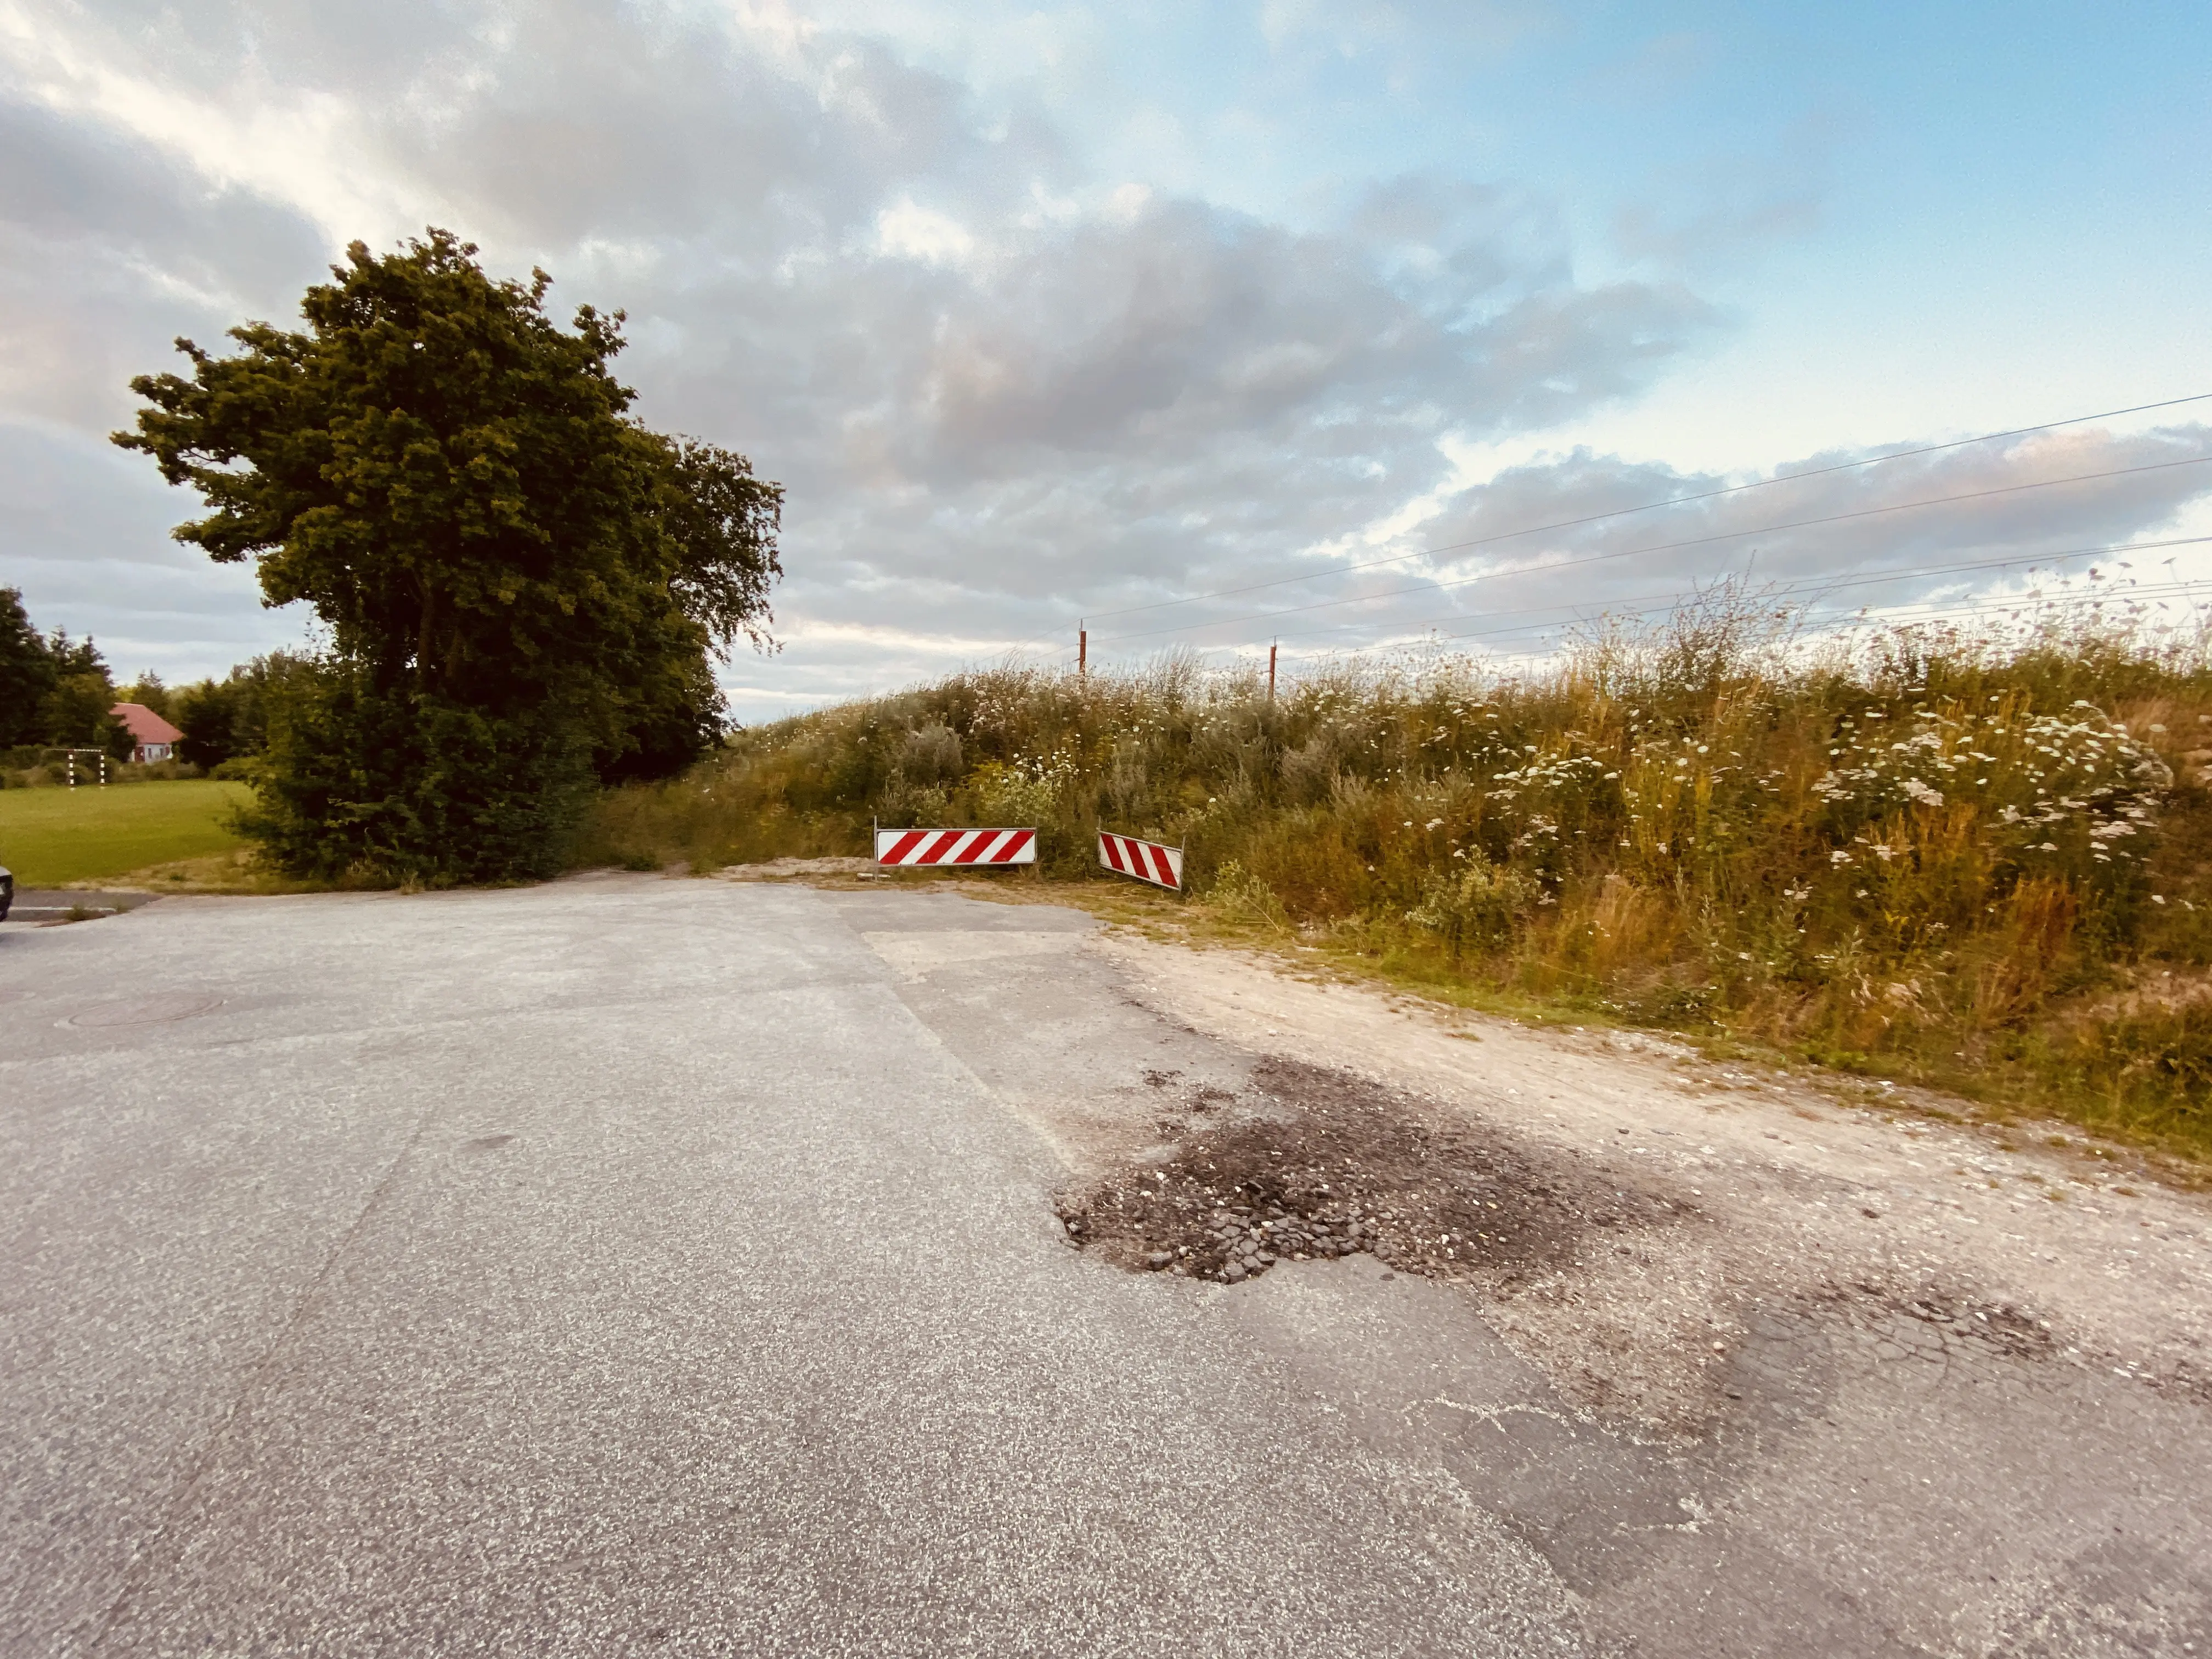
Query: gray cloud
point(2006, 509)
point(85, 537)
point(1802, 532)
point(108, 249)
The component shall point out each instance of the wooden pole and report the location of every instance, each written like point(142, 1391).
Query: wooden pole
point(1082, 650)
point(1271, 672)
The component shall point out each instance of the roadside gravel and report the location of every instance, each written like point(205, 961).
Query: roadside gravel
point(1796, 1191)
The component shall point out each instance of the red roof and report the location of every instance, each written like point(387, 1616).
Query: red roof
point(144, 725)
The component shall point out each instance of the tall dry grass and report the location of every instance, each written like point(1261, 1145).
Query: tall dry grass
point(1980, 860)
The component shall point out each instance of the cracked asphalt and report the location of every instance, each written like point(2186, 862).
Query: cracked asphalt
point(631, 1265)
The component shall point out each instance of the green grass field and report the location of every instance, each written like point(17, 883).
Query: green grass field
point(52, 837)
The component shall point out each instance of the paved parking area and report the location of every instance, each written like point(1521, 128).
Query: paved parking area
point(632, 1266)
point(619, 1268)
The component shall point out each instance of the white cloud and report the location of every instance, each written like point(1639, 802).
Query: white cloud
point(905, 231)
point(1125, 202)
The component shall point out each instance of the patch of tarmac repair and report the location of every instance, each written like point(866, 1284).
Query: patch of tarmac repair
point(1322, 1163)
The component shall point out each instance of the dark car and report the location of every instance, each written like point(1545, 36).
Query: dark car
point(7, 891)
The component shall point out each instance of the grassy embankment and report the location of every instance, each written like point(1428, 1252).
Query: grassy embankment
point(1984, 865)
point(55, 836)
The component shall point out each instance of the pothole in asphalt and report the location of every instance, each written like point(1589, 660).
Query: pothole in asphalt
point(146, 1011)
point(1320, 1163)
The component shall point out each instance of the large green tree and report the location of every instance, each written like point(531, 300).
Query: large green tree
point(522, 586)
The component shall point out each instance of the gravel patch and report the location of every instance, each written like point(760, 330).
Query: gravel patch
point(1311, 1163)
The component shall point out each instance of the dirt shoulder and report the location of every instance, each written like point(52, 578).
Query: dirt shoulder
point(1771, 1189)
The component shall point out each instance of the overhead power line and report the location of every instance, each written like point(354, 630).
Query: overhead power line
point(1651, 507)
point(1663, 547)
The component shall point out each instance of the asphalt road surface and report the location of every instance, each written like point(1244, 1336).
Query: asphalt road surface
point(642, 1267)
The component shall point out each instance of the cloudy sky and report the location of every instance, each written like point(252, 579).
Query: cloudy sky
point(1341, 312)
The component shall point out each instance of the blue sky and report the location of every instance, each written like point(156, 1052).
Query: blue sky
point(1048, 312)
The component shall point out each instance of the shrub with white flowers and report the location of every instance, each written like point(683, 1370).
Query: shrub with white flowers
point(2049, 793)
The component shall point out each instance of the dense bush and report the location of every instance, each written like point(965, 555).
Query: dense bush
point(354, 786)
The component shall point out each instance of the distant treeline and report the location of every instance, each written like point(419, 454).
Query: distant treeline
point(56, 693)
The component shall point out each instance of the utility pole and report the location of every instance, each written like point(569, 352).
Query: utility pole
point(1272, 649)
point(1082, 649)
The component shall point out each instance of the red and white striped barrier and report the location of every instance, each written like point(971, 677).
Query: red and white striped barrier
point(946, 847)
point(1147, 861)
